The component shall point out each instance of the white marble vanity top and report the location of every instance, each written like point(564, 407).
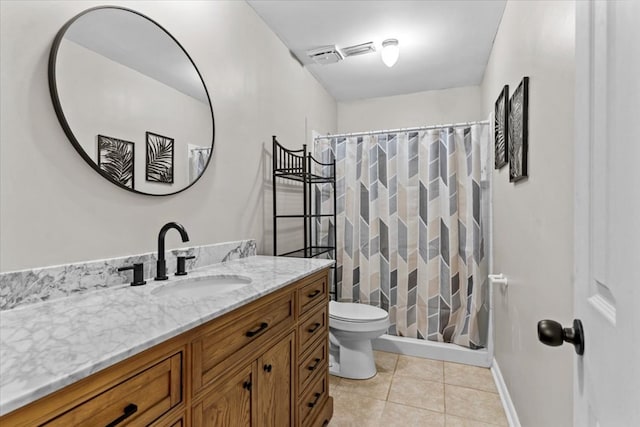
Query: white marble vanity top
point(47, 346)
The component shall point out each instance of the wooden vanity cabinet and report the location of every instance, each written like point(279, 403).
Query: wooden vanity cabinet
point(146, 389)
point(263, 364)
point(259, 394)
point(230, 403)
point(276, 388)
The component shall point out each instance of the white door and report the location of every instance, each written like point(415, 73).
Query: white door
point(607, 213)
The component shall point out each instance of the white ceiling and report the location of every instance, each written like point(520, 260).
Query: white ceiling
point(136, 42)
point(443, 44)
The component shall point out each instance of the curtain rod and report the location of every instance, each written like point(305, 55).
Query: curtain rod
point(413, 129)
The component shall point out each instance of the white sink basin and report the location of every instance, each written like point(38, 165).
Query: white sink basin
point(202, 287)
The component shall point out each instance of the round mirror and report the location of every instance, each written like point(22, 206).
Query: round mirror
point(131, 101)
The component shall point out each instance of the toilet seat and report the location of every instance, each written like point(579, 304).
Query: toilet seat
point(355, 312)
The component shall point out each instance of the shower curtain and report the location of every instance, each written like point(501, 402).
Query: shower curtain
point(410, 232)
point(198, 158)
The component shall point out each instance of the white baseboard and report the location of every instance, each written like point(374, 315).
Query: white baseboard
point(505, 397)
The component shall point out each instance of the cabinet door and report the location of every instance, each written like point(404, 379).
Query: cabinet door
point(275, 384)
point(229, 404)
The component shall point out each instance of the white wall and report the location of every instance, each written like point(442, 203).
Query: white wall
point(96, 95)
point(533, 219)
point(54, 208)
point(433, 107)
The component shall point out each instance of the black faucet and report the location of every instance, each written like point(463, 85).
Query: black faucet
point(161, 265)
point(138, 273)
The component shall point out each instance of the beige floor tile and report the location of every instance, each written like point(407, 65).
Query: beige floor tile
point(416, 392)
point(469, 376)
point(333, 381)
point(474, 404)
point(408, 416)
point(355, 411)
point(376, 387)
point(453, 421)
point(416, 367)
point(385, 362)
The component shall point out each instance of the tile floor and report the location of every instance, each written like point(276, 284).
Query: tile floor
point(410, 391)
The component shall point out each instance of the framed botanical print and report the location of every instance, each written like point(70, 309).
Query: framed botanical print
point(501, 134)
point(518, 131)
point(116, 160)
point(160, 156)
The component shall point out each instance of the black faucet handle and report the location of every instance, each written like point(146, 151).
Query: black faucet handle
point(181, 269)
point(138, 273)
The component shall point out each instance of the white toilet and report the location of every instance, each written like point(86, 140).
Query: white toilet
point(352, 326)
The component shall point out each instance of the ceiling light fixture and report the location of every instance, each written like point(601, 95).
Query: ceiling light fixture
point(390, 52)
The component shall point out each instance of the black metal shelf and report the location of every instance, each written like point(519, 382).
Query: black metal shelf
point(305, 216)
point(303, 177)
point(297, 166)
point(312, 252)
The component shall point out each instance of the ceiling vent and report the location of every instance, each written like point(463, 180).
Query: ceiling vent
point(359, 49)
point(325, 55)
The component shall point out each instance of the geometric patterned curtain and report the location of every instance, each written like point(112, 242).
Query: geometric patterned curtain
point(410, 229)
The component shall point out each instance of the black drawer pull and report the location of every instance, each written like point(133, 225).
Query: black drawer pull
point(315, 401)
point(247, 385)
point(314, 294)
point(325, 423)
point(262, 327)
point(315, 365)
point(314, 328)
point(267, 368)
point(129, 410)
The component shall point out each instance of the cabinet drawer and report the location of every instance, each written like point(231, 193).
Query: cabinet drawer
point(324, 414)
point(239, 337)
point(312, 294)
point(312, 328)
point(315, 362)
point(137, 401)
point(312, 402)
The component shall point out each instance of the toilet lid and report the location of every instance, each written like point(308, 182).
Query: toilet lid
point(354, 312)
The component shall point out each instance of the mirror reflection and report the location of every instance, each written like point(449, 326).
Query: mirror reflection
point(131, 101)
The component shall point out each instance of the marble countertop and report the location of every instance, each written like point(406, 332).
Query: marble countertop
point(47, 346)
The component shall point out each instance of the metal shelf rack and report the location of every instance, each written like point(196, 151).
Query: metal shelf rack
point(298, 166)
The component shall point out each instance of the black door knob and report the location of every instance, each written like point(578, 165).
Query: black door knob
point(552, 333)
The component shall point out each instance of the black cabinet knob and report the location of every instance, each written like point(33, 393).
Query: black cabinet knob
point(552, 333)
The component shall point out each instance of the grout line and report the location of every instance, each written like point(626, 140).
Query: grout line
point(416, 407)
point(395, 365)
point(444, 398)
point(474, 388)
point(386, 399)
point(421, 408)
point(443, 372)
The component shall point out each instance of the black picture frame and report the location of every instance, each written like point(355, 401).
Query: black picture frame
point(116, 160)
point(159, 158)
point(500, 126)
point(518, 131)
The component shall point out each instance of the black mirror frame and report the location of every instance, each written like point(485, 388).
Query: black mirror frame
point(53, 90)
